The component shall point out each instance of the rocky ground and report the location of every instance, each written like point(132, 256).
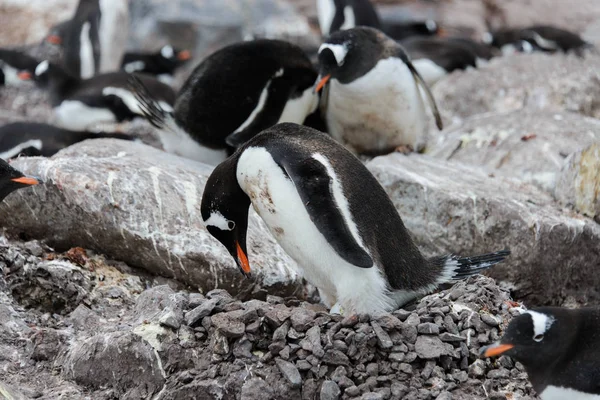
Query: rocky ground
point(154, 308)
point(90, 328)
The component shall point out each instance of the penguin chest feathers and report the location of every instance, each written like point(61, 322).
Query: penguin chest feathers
point(380, 110)
point(275, 198)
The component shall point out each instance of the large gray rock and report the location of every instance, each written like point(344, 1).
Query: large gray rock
point(541, 81)
point(578, 183)
point(449, 207)
point(142, 206)
point(527, 144)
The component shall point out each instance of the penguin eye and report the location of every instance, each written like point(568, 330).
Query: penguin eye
point(538, 338)
point(230, 225)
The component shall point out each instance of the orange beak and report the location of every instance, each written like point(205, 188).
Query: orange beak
point(25, 180)
point(496, 349)
point(24, 75)
point(322, 83)
point(184, 55)
point(443, 32)
point(54, 39)
point(243, 259)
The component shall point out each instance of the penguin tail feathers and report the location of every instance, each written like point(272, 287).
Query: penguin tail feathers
point(454, 268)
point(150, 108)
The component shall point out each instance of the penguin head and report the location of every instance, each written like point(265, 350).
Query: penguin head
point(534, 338)
point(224, 210)
point(12, 179)
point(174, 56)
point(349, 54)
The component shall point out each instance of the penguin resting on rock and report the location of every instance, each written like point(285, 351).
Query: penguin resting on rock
point(12, 179)
point(374, 101)
point(331, 215)
point(560, 349)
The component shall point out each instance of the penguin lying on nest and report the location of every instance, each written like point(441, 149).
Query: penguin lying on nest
point(559, 349)
point(331, 215)
point(12, 179)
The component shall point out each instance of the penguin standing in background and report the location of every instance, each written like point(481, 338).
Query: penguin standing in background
point(162, 64)
point(560, 349)
point(374, 104)
point(12, 63)
point(37, 139)
point(311, 192)
point(80, 104)
point(536, 38)
point(234, 94)
point(12, 179)
point(94, 39)
point(336, 15)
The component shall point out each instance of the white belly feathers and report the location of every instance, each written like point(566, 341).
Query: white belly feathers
point(378, 111)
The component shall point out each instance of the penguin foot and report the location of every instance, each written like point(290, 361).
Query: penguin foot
point(405, 149)
point(337, 309)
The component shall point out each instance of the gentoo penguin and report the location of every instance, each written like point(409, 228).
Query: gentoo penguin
point(403, 30)
point(11, 180)
point(12, 63)
point(37, 139)
point(94, 39)
point(560, 349)
point(539, 37)
point(234, 94)
point(313, 194)
point(336, 15)
point(436, 57)
point(79, 104)
point(163, 63)
point(374, 104)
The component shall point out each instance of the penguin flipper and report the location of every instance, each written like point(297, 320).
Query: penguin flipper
point(419, 79)
point(314, 185)
point(277, 93)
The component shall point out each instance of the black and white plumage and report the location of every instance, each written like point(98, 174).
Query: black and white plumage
point(234, 94)
point(560, 349)
point(13, 63)
point(12, 179)
point(536, 38)
point(405, 29)
point(335, 15)
point(38, 139)
point(94, 39)
point(81, 104)
point(331, 215)
point(436, 57)
point(374, 102)
point(162, 63)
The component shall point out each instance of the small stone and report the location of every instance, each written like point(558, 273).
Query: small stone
point(428, 328)
point(427, 369)
point(460, 376)
point(396, 357)
point(428, 347)
point(303, 365)
point(195, 299)
point(281, 332)
point(477, 369)
point(352, 391)
point(372, 396)
point(335, 357)
point(444, 396)
point(330, 391)
point(387, 321)
point(198, 313)
point(171, 318)
point(350, 321)
point(450, 337)
point(274, 299)
point(290, 372)
point(373, 369)
point(34, 248)
point(312, 341)
point(228, 325)
point(276, 347)
point(498, 373)
point(406, 368)
point(295, 335)
point(383, 339)
point(219, 344)
point(398, 389)
point(490, 320)
point(301, 319)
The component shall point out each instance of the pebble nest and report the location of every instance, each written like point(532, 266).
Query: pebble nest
point(162, 341)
